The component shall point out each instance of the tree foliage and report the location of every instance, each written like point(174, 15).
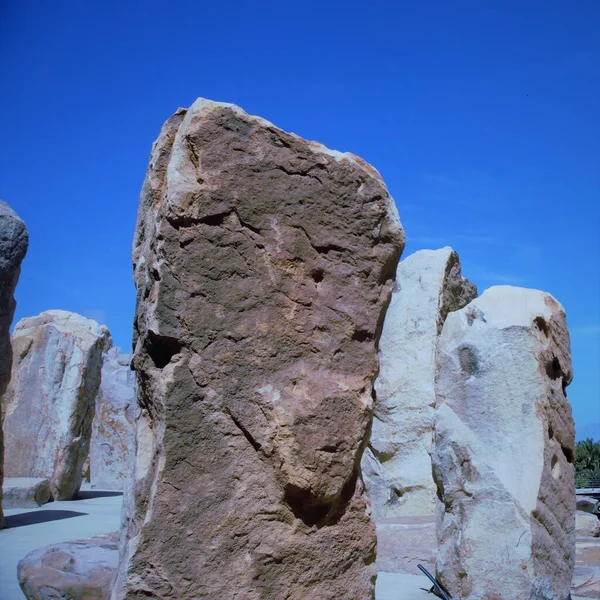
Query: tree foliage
point(587, 462)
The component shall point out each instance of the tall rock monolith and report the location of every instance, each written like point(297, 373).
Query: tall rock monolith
point(113, 428)
point(397, 462)
point(263, 267)
point(504, 449)
point(14, 240)
point(49, 403)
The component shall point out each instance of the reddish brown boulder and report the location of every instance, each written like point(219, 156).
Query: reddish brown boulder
point(263, 266)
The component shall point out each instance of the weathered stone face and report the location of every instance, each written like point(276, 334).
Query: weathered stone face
point(113, 428)
point(397, 462)
point(49, 404)
point(263, 265)
point(504, 449)
point(14, 240)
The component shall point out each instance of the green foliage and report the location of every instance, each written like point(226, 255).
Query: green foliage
point(587, 462)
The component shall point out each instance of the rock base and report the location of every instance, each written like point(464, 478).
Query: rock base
point(25, 492)
point(78, 570)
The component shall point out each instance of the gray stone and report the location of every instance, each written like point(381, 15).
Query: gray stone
point(25, 492)
point(586, 525)
point(504, 449)
point(49, 404)
point(14, 240)
point(397, 462)
point(588, 504)
point(78, 570)
point(113, 428)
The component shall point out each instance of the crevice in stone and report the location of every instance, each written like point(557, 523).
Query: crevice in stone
point(569, 454)
point(161, 348)
point(244, 431)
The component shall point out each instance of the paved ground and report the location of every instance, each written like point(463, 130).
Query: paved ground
point(98, 512)
point(28, 529)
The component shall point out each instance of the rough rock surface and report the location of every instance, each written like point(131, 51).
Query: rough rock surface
point(586, 525)
point(588, 504)
point(405, 542)
point(113, 428)
point(25, 492)
point(263, 266)
point(506, 525)
point(397, 462)
point(78, 570)
point(14, 240)
point(49, 404)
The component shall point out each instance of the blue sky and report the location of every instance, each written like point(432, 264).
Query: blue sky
point(481, 116)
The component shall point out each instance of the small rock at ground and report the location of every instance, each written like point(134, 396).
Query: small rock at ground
point(587, 525)
point(25, 492)
point(77, 570)
point(588, 504)
point(586, 579)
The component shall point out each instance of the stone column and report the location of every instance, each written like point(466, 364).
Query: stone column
point(14, 240)
point(504, 449)
point(263, 266)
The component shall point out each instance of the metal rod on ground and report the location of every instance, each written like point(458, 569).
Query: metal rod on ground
point(436, 585)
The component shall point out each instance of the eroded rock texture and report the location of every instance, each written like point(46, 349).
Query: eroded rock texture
point(14, 240)
point(263, 265)
point(113, 428)
point(504, 449)
point(397, 462)
point(25, 492)
point(49, 403)
point(77, 570)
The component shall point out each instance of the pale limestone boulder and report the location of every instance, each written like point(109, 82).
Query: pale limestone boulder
point(263, 266)
point(504, 449)
point(113, 428)
point(77, 570)
point(586, 525)
point(49, 404)
point(396, 465)
point(25, 492)
point(14, 240)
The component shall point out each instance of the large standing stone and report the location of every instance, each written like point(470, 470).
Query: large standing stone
point(14, 240)
point(397, 463)
point(504, 449)
point(113, 429)
point(263, 265)
point(49, 404)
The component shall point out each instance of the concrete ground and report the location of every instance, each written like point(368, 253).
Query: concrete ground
point(98, 512)
point(26, 529)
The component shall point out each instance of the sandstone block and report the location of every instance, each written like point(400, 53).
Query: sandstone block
point(504, 449)
point(49, 404)
point(14, 240)
point(78, 570)
point(25, 492)
point(113, 428)
point(263, 265)
point(397, 462)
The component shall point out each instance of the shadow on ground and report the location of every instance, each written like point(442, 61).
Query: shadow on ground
point(88, 494)
point(39, 516)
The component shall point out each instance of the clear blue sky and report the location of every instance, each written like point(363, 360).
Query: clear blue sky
point(483, 118)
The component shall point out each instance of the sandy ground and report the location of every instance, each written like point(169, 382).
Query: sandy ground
point(98, 512)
